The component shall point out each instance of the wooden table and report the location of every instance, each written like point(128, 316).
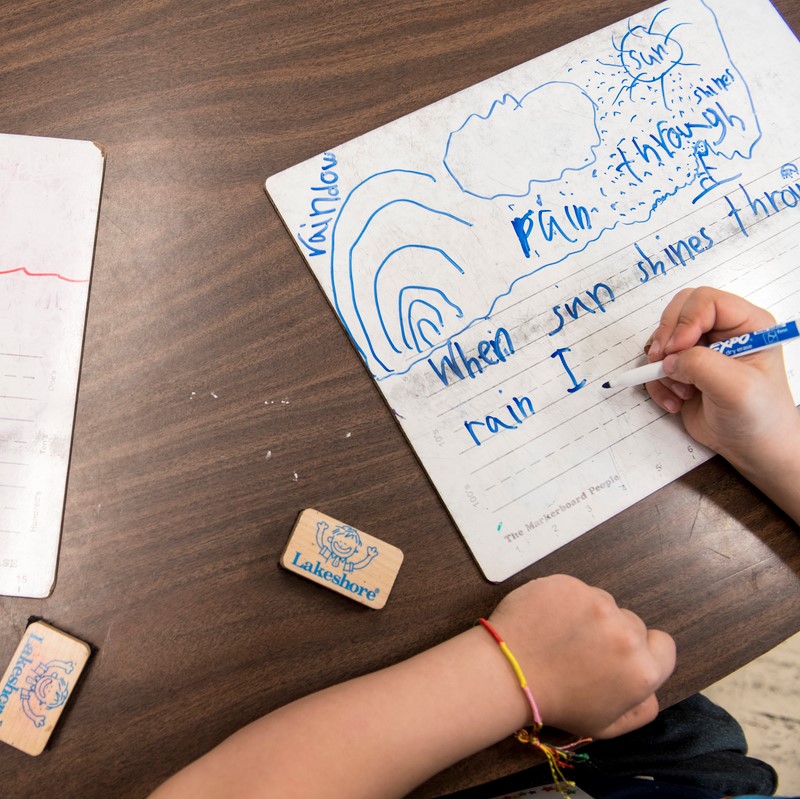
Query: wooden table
point(219, 395)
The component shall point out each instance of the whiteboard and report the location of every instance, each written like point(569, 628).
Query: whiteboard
point(496, 256)
point(49, 202)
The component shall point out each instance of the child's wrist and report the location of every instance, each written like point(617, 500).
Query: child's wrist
point(780, 451)
point(498, 683)
point(774, 467)
point(556, 756)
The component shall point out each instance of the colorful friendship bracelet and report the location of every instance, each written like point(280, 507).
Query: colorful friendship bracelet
point(558, 757)
point(537, 717)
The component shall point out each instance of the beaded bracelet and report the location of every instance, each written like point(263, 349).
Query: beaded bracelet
point(558, 757)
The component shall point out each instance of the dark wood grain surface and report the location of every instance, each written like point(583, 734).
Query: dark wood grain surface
point(219, 396)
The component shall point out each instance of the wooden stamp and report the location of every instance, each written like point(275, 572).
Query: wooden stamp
point(37, 684)
point(342, 558)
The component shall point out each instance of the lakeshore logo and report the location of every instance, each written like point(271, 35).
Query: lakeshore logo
point(47, 689)
point(341, 545)
point(39, 681)
point(339, 548)
point(44, 687)
point(342, 558)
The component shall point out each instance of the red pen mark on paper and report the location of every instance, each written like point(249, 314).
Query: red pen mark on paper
point(26, 271)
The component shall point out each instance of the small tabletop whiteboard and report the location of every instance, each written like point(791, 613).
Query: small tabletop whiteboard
point(496, 256)
point(49, 201)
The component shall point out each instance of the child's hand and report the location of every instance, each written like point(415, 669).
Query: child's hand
point(593, 668)
point(739, 407)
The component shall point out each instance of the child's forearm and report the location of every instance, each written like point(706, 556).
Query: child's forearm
point(776, 471)
point(593, 667)
point(378, 735)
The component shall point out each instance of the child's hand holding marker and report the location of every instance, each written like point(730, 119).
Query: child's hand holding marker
point(740, 407)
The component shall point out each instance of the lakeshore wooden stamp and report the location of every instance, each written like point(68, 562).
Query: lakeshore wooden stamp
point(37, 684)
point(339, 557)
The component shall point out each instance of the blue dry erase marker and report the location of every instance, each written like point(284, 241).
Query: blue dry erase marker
point(744, 344)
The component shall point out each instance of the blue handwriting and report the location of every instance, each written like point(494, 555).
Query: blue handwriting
point(575, 218)
point(519, 409)
point(323, 205)
point(778, 200)
point(678, 253)
point(571, 307)
point(490, 353)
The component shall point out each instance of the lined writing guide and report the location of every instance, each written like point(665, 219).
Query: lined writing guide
point(49, 202)
point(496, 256)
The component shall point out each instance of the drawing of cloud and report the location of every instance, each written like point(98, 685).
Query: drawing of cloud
point(551, 130)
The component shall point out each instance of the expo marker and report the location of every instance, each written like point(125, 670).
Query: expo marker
point(733, 347)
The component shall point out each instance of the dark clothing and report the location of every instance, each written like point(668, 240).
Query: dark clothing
point(693, 750)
